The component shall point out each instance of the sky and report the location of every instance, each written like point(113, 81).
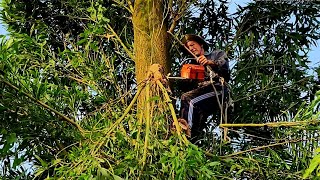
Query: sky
point(2, 29)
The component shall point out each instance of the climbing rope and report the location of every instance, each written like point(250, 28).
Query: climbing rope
point(222, 105)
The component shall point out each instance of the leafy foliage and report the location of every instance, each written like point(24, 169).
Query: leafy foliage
point(75, 57)
point(63, 81)
point(272, 50)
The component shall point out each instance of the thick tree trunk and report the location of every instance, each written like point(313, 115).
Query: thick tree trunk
point(150, 38)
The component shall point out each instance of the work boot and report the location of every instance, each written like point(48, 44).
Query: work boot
point(184, 126)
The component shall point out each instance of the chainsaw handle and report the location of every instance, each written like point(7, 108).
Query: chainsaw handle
point(186, 59)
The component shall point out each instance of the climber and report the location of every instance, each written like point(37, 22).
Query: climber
point(200, 102)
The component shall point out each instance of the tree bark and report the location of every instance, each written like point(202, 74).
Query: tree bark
point(151, 40)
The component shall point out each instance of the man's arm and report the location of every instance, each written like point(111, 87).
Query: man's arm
point(218, 58)
point(220, 63)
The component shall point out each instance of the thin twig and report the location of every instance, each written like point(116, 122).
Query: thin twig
point(183, 45)
point(275, 124)
point(81, 81)
point(115, 124)
point(263, 147)
point(253, 135)
point(120, 41)
point(130, 8)
point(116, 100)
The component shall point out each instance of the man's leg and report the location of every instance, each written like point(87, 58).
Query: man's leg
point(196, 105)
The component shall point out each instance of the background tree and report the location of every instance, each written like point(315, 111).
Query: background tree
point(78, 58)
point(275, 40)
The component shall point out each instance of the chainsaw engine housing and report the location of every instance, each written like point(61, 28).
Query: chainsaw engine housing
point(193, 71)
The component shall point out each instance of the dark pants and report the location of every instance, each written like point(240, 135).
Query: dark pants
point(198, 104)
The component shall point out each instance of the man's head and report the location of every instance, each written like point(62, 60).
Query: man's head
point(195, 44)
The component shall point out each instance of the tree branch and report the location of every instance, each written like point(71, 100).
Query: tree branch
point(263, 147)
point(275, 124)
point(120, 41)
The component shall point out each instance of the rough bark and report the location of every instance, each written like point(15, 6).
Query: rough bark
point(150, 38)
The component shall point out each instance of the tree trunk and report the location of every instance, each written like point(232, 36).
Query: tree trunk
point(150, 38)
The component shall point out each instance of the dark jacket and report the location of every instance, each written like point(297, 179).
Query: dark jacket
point(221, 68)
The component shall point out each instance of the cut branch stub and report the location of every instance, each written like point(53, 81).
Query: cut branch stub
point(156, 72)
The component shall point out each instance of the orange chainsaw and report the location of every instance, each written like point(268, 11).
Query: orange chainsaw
point(191, 71)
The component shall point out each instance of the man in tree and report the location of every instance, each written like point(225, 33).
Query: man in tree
point(202, 101)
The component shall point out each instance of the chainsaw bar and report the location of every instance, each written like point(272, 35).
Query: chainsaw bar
point(179, 78)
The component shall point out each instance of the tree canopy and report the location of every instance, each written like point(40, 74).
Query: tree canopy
point(71, 72)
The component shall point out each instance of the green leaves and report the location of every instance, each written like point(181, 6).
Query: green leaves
point(42, 162)
point(272, 59)
point(11, 138)
point(8, 143)
point(67, 55)
point(314, 165)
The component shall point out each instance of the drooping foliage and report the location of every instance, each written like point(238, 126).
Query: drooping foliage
point(76, 57)
point(275, 41)
point(50, 68)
